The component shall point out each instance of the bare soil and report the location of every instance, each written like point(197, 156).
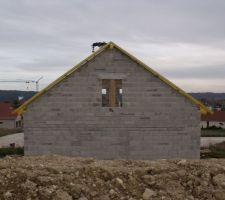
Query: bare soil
point(66, 178)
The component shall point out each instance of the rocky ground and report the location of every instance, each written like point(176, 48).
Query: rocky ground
point(65, 178)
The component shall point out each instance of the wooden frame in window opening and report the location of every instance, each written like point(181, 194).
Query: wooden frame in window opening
point(112, 93)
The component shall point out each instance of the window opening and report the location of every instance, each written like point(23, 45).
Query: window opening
point(112, 93)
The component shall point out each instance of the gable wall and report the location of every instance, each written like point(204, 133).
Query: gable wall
point(154, 122)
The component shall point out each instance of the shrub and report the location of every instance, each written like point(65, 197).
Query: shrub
point(212, 128)
point(11, 151)
point(213, 132)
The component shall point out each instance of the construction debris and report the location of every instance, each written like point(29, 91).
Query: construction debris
point(66, 178)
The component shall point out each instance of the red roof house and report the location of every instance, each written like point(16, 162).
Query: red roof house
point(6, 111)
point(216, 119)
point(8, 119)
point(217, 116)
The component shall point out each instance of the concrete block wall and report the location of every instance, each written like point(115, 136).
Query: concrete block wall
point(155, 121)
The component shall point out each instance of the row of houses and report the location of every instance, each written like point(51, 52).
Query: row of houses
point(217, 119)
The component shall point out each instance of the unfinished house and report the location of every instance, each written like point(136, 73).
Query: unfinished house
point(112, 106)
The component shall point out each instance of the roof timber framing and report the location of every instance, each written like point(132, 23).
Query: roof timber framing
point(203, 109)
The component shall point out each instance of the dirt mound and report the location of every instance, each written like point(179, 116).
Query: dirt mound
point(65, 178)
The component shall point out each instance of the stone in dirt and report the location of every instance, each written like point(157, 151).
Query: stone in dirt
point(62, 195)
point(219, 180)
point(82, 198)
point(148, 193)
point(8, 195)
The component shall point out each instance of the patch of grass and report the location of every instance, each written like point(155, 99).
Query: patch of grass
point(213, 154)
point(11, 151)
point(212, 132)
point(6, 131)
point(214, 151)
point(213, 128)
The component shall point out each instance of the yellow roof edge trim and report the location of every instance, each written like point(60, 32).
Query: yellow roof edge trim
point(203, 109)
point(20, 109)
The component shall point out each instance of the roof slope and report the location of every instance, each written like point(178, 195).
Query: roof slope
point(6, 111)
point(203, 108)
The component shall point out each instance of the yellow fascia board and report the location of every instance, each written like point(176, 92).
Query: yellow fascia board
point(20, 109)
point(203, 109)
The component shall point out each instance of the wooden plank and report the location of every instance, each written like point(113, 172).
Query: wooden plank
point(112, 93)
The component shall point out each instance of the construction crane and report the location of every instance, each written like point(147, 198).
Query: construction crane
point(37, 83)
point(24, 81)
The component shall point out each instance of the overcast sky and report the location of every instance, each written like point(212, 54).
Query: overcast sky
point(183, 40)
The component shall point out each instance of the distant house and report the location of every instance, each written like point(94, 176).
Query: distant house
point(8, 119)
point(216, 119)
point(110, 106)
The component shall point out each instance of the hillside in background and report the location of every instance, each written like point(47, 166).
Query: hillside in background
point(12, 95)
point(208, 95)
